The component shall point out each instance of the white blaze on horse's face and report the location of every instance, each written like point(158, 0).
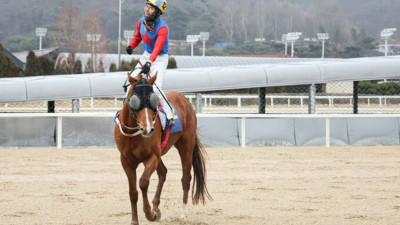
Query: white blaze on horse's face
point(145, 121)
point(143, 103)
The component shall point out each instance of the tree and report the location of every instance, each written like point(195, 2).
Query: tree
point(98, 40)
point(7, 67)
point(62, 67)
point(100, 67)
point(125, 66)
point(226, 20)
point(171, 63)
point(33, 65)
point(70, 36)
point(47, 65)
point(77, 67)
point(113, 67)
point(89, 66)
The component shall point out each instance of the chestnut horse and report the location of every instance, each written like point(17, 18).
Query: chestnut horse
point(138, 137)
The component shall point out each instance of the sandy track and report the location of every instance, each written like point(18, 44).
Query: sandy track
point(264, 185)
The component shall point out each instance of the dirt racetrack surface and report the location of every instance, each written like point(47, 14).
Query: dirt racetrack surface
point(262, 185)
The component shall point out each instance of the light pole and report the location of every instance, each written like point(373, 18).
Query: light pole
point(293, 37)
point(204, 36)
point(284, 40)
point(93, 39)
point(386, 34)
point(119, 33)
point(41, 32)
point(323, 37)
point(192, 39)
point(128, 35)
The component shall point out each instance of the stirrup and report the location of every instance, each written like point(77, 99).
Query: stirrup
point(170, 122)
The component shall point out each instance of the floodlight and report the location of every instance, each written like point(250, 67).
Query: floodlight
point(385, 34)
point(128, 34)
point(41, 32)
point(192, 39)
point(204, 36)
point(93, 39)
point(292, 37)
point(323, 37)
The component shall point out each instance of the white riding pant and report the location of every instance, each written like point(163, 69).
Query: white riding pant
point(160, 66)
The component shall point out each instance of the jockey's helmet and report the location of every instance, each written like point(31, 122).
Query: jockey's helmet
point(159, 4)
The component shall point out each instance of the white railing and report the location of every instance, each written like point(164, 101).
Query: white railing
point(276, 103)
point(243, 117)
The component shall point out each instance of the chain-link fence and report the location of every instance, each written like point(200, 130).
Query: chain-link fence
point(338, 97)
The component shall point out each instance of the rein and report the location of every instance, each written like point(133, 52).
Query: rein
point(121, 124)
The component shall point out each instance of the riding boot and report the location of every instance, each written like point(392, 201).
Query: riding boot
point(168, 112)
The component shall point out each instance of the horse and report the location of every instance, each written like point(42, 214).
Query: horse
point(138, 138)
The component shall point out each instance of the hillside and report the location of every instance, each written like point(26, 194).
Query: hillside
point(231, 21)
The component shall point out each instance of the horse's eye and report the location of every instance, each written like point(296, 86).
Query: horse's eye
point(154, 100)
point(134, 102)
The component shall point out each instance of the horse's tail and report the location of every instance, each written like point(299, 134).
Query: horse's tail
point(199, 169)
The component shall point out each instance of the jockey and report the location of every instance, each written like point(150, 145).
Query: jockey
point(153, 31)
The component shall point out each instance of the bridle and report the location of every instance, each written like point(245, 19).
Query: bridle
point(142, 96)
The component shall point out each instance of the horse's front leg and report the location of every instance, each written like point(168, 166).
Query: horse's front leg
point(162, 176)
point(150, 166)
point(130, 171)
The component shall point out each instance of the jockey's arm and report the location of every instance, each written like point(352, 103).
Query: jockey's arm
point(136, 39)
point(162, 36)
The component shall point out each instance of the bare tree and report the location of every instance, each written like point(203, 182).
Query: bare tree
point(260, 7)
point(97, 40)
point(70, 27)
point(329, 17)
point(245, 19)
point(226, 21)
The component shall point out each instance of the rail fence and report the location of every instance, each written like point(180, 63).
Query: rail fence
point(217, 103)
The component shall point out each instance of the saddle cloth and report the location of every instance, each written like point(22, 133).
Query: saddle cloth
point(177, 119)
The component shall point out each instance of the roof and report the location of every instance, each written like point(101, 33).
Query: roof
point(49, 51)
point(15, 59)
point(187, 61)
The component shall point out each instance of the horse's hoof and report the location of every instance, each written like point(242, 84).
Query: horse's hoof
point(156, 217)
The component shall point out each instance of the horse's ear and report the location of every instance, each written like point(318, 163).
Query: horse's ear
point(133, 80)
point(153, 79)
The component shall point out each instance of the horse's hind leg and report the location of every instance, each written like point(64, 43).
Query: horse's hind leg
point(162, 175)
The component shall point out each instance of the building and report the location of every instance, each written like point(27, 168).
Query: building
point(393, 47)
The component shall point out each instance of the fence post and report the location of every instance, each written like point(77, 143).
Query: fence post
point(51, 107)
point(243, 122)
point(198, 103)
point(327, 132)
point(311, 99)
point(59, 132)
point(355, 97)
point(75, 105)
point(261, 100)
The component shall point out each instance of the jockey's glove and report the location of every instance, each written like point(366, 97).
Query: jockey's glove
point(129, 50)
point(146, 68)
